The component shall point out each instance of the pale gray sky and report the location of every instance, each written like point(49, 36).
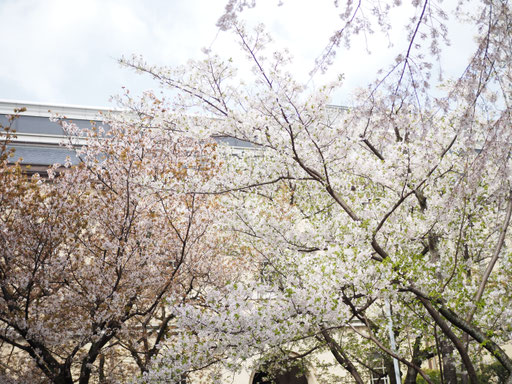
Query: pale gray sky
point(65, 51)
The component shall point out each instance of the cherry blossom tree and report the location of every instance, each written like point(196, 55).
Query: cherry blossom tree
point(94, 258)
point(402, 200)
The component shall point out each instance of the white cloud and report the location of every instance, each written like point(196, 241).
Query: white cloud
point(65, 50)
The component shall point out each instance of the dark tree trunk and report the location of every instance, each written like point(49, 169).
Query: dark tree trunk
point(412, 373)
point(101, 369)
point(341, 357)
point(64, 377)
point(411, 376)
point(418, 357)
point(449, 368)
point(390, 370)
point(464, 379)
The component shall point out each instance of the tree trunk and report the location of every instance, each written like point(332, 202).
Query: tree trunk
point(390, 370)
point(412, 373)
point(410, 377)
point(341, 357)
point(64, 377)
point(101, 369)
point(449, 368)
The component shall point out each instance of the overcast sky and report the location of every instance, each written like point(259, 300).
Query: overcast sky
point(65, 51)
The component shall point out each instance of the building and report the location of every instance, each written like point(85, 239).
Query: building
point(38, 140)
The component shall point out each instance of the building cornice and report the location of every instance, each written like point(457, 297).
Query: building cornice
point(7, 107)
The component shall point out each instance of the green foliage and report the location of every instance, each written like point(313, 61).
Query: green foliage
point(492, 373)
point(434, 375)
